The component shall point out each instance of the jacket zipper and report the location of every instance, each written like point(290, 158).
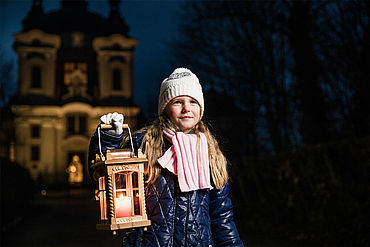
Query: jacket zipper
point(187, 219)
point(174, 214)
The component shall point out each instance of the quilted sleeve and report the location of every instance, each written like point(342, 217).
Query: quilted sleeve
point(108, 141)
point(224, 232)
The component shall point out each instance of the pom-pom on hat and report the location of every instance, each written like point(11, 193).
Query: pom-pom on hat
point(181, 82)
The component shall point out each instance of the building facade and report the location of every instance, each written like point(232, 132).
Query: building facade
point(73, 67)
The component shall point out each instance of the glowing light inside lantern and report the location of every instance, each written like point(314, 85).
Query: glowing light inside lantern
point(123, 206)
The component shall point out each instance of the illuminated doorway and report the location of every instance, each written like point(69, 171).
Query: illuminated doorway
point(75, 168)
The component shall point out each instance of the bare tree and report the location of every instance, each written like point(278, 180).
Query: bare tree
point(236, 46)
point(297, 69)
point(345, 59)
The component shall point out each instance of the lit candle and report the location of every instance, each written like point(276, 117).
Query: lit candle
point(123, 207)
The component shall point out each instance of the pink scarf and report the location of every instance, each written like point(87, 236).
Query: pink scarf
point(184, 160)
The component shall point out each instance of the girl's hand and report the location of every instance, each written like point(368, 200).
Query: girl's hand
point(115, 119)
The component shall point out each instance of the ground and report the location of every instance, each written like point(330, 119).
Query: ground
point(59, 219)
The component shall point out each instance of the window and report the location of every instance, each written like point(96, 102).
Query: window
point(117, 79)
point(36, 77)
point(35, 153)
point(71, 124)
point(35, 131)
point(73, 70)
point(76, 124)
point(77, 39)
point(82, 124)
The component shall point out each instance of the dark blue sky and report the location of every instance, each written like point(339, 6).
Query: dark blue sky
point(152, 23)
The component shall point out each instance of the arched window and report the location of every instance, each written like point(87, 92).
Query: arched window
point(36, 77)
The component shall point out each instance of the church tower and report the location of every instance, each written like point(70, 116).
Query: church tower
point(73, 66)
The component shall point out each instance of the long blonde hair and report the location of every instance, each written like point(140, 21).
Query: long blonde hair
point(153, 144)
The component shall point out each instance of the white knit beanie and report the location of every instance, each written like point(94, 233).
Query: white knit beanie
point(181, 82)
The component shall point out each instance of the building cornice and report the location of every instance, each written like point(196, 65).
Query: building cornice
point(45, 39)
point(100, 43)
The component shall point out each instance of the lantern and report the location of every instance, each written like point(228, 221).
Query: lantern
point(120, 190)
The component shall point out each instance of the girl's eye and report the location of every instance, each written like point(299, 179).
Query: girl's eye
point(194, 102)
point(177, 102)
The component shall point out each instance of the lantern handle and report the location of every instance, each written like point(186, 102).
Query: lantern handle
point(109, 126)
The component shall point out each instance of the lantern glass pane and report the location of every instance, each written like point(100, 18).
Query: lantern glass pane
point(136, 202)
point(135, 181)
point(120, 179)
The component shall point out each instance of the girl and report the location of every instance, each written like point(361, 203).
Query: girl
point(187, 187)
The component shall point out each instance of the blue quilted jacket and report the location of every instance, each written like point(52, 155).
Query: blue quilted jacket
point(195, 218)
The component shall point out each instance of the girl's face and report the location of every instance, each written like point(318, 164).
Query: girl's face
point(184, 112)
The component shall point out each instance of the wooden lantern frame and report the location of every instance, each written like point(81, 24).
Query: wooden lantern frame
point(121, 162)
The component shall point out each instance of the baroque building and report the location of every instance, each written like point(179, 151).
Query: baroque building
point(73, 66)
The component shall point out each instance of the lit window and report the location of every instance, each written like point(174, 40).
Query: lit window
point(35, 153)
point(36, 77)
point(117, 79)
point(75, 70)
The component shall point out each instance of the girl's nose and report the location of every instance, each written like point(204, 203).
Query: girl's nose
point(186, 107)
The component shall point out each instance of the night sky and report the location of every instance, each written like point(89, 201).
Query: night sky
point(152, 23)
